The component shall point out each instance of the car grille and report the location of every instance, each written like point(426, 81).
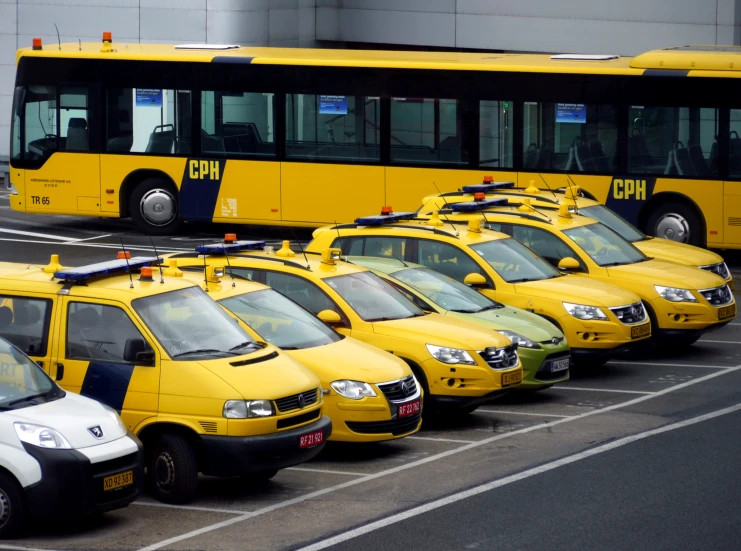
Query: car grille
point(394, 426)
point(294, 402)
point(718, 296)
point(719, 269)
point(544, 372)
point(501, 358)
point(299, 419)
point(631, 314)
point(400, 390)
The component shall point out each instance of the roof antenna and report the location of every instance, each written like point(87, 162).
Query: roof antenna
point(308, 266)
point(80, 43)
point(231, 273)
point(576, 206)
point(162, 279)
point(546, 185)
point(445, 215)
point(338, 232)
point(128, 268)
point(59, 40)
point(205, 275)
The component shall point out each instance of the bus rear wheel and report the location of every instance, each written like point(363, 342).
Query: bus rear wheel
point(676, 221)
point(154, 207)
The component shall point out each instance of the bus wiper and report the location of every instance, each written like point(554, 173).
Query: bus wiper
point(27, 398)
point(245, 344)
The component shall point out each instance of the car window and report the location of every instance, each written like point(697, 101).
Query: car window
point(418, 302)
point(244, 273)
point(25, 323)
point(98, 332)
point(604, 246)
point(372, 298)
point(302, 291)
point(513, 261)
point(613, 221)
point(447, 259)
point(544, 243)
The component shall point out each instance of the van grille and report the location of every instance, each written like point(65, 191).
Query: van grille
point(396, 427)
point(299, 419)
point(295, 402)
point(400, 390)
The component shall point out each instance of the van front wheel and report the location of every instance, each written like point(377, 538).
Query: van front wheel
point(172, 469)
point(11, 507)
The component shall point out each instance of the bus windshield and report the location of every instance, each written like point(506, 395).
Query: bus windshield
point(613, 221)
point(514, 262)
point(445, 291)
point(604, 246)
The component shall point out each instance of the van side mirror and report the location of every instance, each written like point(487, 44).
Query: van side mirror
point(475, 280)
point(330, 317)
point(137, 351)
point(569, 264)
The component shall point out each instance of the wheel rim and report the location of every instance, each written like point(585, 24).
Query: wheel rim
point(673, 226)
point(158, 207)
point(164, 471)
point(4, 508)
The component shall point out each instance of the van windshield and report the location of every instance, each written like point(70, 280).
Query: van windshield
point(190, 326)
point(22, 382)
point(279, 320)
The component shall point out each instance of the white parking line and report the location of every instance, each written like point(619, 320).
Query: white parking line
point(95, 245)
point(510, 479)
point(719, 342)
point(559, 387)
point(35, 234)
point(440, 439)
point(507, 412)
point(661, 364)
point(189, 507)
point(18, 548)
point(326, 471)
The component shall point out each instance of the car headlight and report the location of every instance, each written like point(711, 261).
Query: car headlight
point(246, 409)
point(114, 415)
point(355, 390)
point(519, 340)
point(720, 269)
point(450, 355)
point(674, 294)
point(43, 437)
point(583, 312)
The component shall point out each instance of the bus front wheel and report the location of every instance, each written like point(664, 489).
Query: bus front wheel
point(154, 207)
point(676, 221)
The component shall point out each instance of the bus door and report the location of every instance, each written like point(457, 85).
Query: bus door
point(58, 142)
point(732, 189)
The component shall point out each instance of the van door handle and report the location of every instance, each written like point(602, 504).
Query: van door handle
point(60, 372)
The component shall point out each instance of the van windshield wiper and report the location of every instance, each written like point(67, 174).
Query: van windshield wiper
point(27, 398)
point(245, 344)
point(205, 351)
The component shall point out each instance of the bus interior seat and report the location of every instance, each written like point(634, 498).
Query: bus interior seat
point(638, 152)
point(713, 160)
point(182, 145)
point(670, 166)
point(571, 164)
point(584, 158)
point(601, 164)
point(544, 157)
point(683, 165)
point(212, 144)
point(697, 160)
point(77, 134)
point(6, 317)
point(162, 141)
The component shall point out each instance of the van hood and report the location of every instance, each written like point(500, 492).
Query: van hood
point(529, 325)
point(579, 290)
point(351, 359)
point(73, 416)
point(662, 272)
point(441, 331)
point(689, 255)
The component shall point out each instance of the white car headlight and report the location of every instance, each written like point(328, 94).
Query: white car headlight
point(519, 340)
point(355, 390)
point(674, 294)
point(43, 437)
point(583, 312)
point(241, 409)
point(450, 355)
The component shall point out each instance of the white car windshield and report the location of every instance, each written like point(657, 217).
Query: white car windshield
point(22, 382)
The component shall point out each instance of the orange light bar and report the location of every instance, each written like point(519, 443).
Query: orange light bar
point(37, 44)
point(386, 210)
point(488, 179)
point(479, 196)
point(146, 273)
point(107, 37)
point(124, 255)
point(230, 238)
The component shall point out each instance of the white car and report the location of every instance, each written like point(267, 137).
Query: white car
point(61, 455)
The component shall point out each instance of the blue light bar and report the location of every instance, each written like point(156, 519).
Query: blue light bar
point(380, 219)
point(112, 267)
point(485, 188)
point(228, 248)
point(478, 205)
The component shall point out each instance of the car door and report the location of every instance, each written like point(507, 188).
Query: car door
point(26, 322)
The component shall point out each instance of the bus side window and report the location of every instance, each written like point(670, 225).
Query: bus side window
point(734, 147)
point(73, 119)
point(237, 123)
point(496, 128)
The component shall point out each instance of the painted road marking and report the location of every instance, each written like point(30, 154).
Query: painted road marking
point(440, 439)
point(327, 471)
point(719, 342)
point(559, 387)
point(662, 364)
point(94, 245)
point(507, 412)
point(35, 234)
point(430, 459)
point(188, 507)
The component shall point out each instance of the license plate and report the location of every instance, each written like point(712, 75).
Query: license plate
point(311, 439)
point(512, 378)
point(408, 409)
point(640, 330)
point(559, 365)
point(727, 312)
point(118, 481)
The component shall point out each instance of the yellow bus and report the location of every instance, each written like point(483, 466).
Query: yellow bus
point(305, 137)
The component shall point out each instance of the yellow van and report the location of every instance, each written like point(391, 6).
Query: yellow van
point(202, 393)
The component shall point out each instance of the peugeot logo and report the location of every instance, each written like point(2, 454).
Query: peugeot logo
point(301, 401)
point(97, 432)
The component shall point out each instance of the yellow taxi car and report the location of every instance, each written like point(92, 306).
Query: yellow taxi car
point(370, 395)
point(683, 302)
point(458, 364)
point(578, 202)
point(202, 393)
point(598, 319)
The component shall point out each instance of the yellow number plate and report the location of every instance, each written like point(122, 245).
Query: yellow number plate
point(512, 378)
point(640, 330)
point(118, 481)
point(727, 312)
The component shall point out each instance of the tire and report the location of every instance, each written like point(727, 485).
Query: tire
point(172, 469)
point(154, 208)
point(12, 508)
point(678, 221)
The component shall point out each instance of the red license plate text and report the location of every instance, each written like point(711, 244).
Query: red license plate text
point(311, 439)
point(408, 409)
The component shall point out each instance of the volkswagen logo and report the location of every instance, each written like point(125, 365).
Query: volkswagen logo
point(301, 401)
point(405, 388)
point(97, 432)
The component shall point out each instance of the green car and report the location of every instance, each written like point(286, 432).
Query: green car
point(543, 349)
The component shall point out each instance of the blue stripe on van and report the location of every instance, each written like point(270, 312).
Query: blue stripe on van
point(107, 383)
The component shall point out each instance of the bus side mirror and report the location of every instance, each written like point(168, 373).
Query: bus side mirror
point(330, 317)
point(138, 352)
point(569, 263)
point(475, 280)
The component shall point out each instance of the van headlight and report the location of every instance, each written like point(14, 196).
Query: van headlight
point(247, 409)
point(583, 312)
point(355, 390)
point(43, 437)
point(519, 340)
point(674, 294)
point(450, 355)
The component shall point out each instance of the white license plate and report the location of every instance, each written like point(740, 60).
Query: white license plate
point(559, 365)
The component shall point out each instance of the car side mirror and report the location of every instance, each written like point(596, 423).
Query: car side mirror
point(137, 351)
point(330, 317)
point(569, 264)
point(475, 280)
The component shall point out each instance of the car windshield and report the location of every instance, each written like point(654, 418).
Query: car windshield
point(604, 246)
point(445, 291)
point(513, 261)
point(372, 298)
point(279, 320)
point(613, 221)
point(189, 325)
point(22, 382)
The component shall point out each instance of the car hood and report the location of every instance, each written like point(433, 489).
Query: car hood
point(681, 253)
point(526, 324)
point(73, 416)
point(351, 359)
point(662, 272)
point(441, 331)
point(578, 290)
